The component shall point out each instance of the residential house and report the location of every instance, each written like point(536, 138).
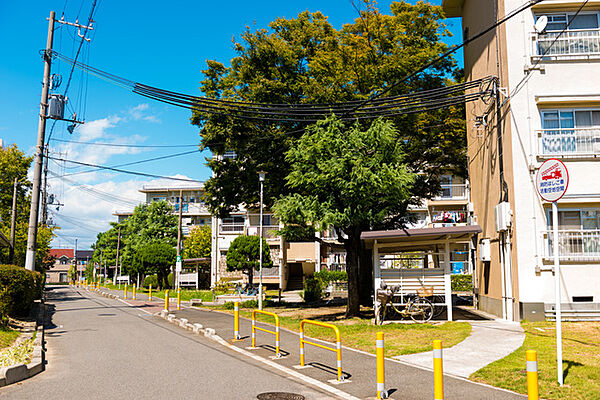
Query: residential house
point(548, 106)
point(63, 259)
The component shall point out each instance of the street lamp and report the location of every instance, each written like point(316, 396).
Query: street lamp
point(261, 179)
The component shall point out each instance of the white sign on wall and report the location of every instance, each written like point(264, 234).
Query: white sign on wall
point(552, 180)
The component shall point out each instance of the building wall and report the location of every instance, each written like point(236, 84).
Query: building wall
point(484, 57)
point(562, 84)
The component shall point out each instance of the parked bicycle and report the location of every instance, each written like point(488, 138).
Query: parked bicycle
point(419, 309)
point(246, 289)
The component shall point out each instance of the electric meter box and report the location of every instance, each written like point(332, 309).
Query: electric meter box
point(485, 251)
point(503, 216)
point(56, 106)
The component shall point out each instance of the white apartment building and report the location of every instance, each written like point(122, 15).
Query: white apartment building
point(549, 108)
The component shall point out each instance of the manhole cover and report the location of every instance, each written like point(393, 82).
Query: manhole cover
point(279, 396)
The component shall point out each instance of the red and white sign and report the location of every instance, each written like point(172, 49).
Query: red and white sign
point(552, 180)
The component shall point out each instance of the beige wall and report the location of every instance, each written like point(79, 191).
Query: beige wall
point(485, 57)
point(301, 251)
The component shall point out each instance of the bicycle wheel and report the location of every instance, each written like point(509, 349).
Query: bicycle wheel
point(420, 310)
point(437, 309)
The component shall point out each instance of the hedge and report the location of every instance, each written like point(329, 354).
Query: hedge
point(461, 283)
point(18, 289)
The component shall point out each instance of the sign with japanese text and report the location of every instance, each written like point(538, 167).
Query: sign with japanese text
point(552, 180)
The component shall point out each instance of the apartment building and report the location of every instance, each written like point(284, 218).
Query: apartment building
point(547, 106)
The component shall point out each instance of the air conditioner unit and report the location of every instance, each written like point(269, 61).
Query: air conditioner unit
point(485, 251)
point(503, 216)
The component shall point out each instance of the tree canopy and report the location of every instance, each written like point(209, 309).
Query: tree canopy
point(349, 179)
point(14, 164)
point(152, 223)
point(243, 255)
point(306, 60)
point(198, 243)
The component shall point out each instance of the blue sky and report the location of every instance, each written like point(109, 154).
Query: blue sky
point(145, 41)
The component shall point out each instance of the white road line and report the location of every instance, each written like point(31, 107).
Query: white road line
point(286, 370)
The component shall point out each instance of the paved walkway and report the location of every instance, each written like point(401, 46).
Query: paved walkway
point(403, 381)
point(489, 341)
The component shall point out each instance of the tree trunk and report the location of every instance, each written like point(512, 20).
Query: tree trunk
point(365, 276)
point(352, 245)
point(159, 280)
point(250, 275)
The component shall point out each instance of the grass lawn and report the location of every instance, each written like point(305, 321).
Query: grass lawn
point(359, 333)
point(581, 362)
point(7, 336)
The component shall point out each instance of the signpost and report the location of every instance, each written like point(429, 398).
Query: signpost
point(552, 181)
point(178, 268)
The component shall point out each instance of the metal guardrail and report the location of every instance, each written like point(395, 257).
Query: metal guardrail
point(568, 45)
point(569, 142)
point(574, 245)
point(452, 192)
point(337, 349)
point(276, 332)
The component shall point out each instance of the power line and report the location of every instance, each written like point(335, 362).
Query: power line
point(138, 162)
point(126, 171)
point(148, 146)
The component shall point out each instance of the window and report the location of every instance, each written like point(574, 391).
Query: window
point(584, 219)
point(231, 155)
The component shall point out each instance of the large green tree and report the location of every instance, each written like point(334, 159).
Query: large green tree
point(306, 60)
point(157, 258)
point(244, 255)
point(350, 179)
point(15, 164)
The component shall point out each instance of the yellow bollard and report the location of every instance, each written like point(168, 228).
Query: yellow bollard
point(167, 300)
point(150, 294)
point(178, 299)
point(125, 291)
point(381, 392)
point(438, 371)
point(133, 292)
point(533, 391)
point(236, 321)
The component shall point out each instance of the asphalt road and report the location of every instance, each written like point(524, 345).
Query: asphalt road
point(103, 349)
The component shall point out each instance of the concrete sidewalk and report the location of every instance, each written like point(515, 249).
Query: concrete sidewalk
point(403, 381)
point(489, 341)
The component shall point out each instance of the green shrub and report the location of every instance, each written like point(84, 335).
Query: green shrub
point(326, 277)
point(249, 304)
point(229, 305)
point(461, 283)
point(151, 280)
point(313, 289)
point(18, 289)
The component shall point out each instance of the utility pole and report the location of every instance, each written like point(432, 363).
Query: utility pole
point(76, 269)
point(45, 188)
point(37, 170)
point(175, 280)
point(117, 260)
point(13, 223)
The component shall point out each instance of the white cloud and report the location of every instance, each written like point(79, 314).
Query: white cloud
point(139, 113)
point(89, 210)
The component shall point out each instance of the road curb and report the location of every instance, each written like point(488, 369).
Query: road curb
point(19, 372)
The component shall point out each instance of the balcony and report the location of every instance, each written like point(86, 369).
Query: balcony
point(453, 192)
point(269, 231)
point(232, 228)
point(577, 142)
point(573, 245)
point(580, 44)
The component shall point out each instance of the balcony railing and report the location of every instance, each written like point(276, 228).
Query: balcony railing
point(571, 45)
point(579, 142)
point(452, 192)
point(573, 245)
point(269, 231)
point(232, 228)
